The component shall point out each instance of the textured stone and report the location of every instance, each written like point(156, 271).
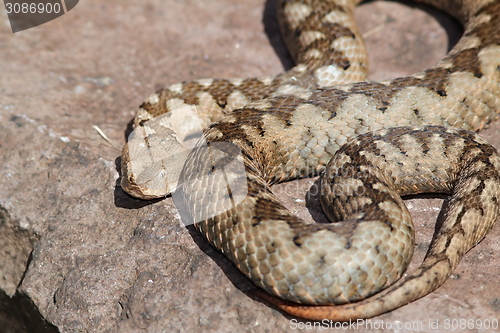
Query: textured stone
point(78, 254)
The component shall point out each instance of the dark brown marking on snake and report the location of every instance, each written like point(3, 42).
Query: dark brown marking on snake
point(489, 32)
point(233, 129)
point(328, 99)
point(311, 23)
point(217, 92)
point(333, 31)
point(255, 89)
point(264, 213)
point(466, 61)
point(378, 91)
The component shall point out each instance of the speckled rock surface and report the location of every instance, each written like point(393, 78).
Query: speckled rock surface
point(79, 255)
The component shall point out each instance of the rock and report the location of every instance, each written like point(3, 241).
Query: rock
point(77, 254)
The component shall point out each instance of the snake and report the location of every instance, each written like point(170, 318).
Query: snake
point(370, 141)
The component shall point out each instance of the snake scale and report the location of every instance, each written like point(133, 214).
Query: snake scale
point(372, 142)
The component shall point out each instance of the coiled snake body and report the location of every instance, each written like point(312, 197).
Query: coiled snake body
point(380, 140)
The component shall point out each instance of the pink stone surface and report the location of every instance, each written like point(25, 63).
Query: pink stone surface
point(77, 254)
